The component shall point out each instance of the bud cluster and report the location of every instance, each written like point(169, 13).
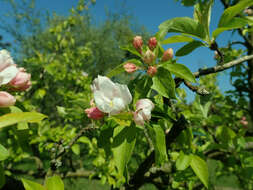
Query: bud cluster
point(149, 56)
point(12, 78)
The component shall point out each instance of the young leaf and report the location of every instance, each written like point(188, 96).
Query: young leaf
point(131, 49)
point(4, 153)
point(200, 168)
point(163, 83)
point(230, 12)
point(158, 138)
point(54, 183)
point(177, 39)
point(21, 125)
point(183, 25)
point(13, 118)
point(233, 24)
point(183, 161)
point(123, 145)
point(179, 70)
point(188, 48)
point(30, 185)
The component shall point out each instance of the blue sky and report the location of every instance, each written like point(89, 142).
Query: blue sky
point(150, 14)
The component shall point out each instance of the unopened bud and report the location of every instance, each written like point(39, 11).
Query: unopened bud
point(167, 55)
point(6, 99)
point(149, 57)
point(130, 67)
point(152, 71)
point(94, 113)
point(137, 43)
point(152, 43)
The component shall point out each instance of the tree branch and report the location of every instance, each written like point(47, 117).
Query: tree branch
point(138, 178)
point(220, 68)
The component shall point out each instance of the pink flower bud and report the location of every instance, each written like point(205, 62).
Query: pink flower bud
point(21, 80)
point(152, 43)
point(244, 121)
point(137, 42)
point(6, 99)
point(143, 111)
point(167, 55)
point(130, 67)
point(152, 70)
point(94, 113)
point(149, 57)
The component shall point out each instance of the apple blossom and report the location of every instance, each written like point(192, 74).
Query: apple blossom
point(148, 57)
point(152, 70)
point(152, 43)
point(94, 113)
point(6, 99)
point(143, 111)
point(167, 55)
point(21, 80)
point(8, 69)
point(130, 67)
point(110, 97)
point(5, 59)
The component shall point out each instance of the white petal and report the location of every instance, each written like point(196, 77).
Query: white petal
point(125, 93)
point(144, 104)
point(8, 74)
point(103, 103)
point(118, 105)
point(106, 86)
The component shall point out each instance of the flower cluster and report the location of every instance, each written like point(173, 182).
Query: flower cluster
point(149, 56)
point(112, 98)
point(12, 78)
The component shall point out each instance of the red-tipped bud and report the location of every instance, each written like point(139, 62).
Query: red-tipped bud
point(167, 55)
point(21, 81)
point(130, 67)
point(152, 43)
point(6, 99)
point(152, 71)
point(94, 113)
point(149, 57)
point(137, 42)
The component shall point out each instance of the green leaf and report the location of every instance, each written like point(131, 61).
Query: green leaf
point(158, 138)
point(123, 144)
point(233, 24)
point(163, 83)
point(225, 134)
point(179, 70)
point(183, 161)
point(76, 149)
point(120, 69)
point(13, 118)
point(131, 49)
point(177, 39)
point(30, 185)
point(202, 13)
point(200, 168)
point(21, 125)
point(230, 12)
point(123, 118)
point(183, 25)
point(4, 153)
point(54, 183)
point(2, 176)
point(188, 48)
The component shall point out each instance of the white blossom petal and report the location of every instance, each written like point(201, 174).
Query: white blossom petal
point(8, 74)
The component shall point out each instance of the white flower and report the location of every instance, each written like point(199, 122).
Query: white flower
point(143, 111)
point(110, 97)
point(8, 69)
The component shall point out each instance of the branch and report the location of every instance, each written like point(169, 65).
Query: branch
point(138, 178)
point(220, 68)
point(64, 149)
